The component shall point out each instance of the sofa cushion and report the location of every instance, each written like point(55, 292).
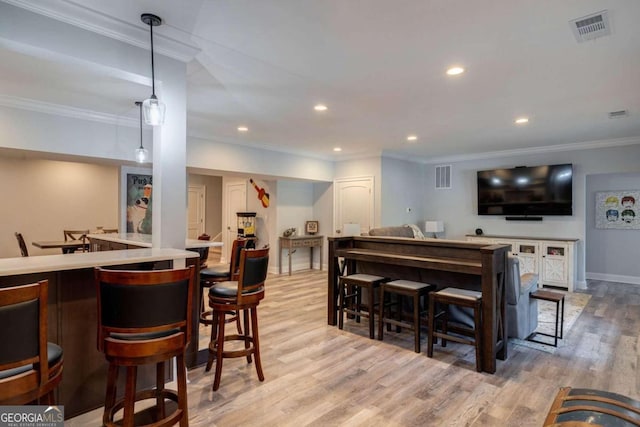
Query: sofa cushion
point(399, 231)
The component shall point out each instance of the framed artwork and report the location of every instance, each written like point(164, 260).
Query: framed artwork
point(136, 197)
point(618, 210)
point(311, 227)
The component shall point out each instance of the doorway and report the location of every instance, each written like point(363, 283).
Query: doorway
point(234, 200)
point(354, 203)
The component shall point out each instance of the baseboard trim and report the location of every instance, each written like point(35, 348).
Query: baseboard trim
point(614, 278)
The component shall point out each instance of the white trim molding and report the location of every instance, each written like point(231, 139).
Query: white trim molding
point(613, 278)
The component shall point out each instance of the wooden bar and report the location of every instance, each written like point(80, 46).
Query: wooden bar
point(72, 312)
point(442, 263)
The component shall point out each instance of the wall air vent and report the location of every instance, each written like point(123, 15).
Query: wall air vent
point(443, 177)
point(618, 114)
point(591, 27)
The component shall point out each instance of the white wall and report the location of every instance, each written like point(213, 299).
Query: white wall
point(295, 207)
point(42, 197)
point(402, 189)
point(611, 254)
point(458, 207)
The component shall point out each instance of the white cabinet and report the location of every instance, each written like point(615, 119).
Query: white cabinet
point(553, 260)
point(555, 264)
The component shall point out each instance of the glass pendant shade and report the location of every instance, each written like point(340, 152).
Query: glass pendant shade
point(153, 111)
point(142, 154)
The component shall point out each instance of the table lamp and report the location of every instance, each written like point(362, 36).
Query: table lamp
point(434, 227)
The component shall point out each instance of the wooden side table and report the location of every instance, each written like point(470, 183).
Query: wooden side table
point(295, 242)
point(558, 298)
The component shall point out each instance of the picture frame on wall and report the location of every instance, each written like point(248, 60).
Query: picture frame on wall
point(136, 200)
point(311, 227)
point(618, 210)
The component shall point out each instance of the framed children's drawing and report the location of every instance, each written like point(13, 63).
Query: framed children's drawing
point(618, 209)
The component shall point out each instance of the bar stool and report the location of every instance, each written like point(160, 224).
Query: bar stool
point(144, 317)
point(461, 298)
point(351, 303)
point(243, 295)
point(217, 274)
point(402, 288)
point(30, 367)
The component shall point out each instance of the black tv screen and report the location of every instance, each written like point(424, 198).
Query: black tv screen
point(537, 190)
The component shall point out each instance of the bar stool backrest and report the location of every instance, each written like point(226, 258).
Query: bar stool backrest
point(153, 303)
point(254, 265)
point(24, 367)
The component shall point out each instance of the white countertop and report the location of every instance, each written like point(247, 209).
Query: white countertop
point(144, 240)
point(45, 263)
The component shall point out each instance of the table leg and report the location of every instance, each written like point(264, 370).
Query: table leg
point(289, 251)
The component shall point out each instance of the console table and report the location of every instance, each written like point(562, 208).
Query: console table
point(440, 262)
point(295, 242)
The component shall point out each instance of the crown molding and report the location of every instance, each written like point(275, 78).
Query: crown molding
point(66, 111)
point(167, 42)
point(587, 145)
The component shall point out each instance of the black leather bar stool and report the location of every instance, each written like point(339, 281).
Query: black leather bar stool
point(350, 291)
point(243, 295)
point(144, 317)
point(461, 298)
point(403, 288)
point(30, 367)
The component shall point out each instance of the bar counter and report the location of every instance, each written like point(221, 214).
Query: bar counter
point(72, 313)
point(144, 240)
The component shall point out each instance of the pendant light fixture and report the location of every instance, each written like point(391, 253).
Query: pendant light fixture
point(153, 108)
point(141, 153)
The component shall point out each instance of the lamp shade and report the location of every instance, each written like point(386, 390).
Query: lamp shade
point(434, 226)
point(153, 111)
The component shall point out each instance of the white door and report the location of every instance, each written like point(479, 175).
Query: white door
point(195, 211)
point(235, 200)
point(354, 203)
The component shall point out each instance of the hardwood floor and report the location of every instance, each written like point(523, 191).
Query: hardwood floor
point(318, 375)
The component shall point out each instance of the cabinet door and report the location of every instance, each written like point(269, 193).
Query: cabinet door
point(555, 264)
point(527, 253)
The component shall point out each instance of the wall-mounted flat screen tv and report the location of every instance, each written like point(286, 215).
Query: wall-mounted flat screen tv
point(526, 191)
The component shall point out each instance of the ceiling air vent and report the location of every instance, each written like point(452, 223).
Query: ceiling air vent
point(443, 177)
point(591, 27)
point(618, 114)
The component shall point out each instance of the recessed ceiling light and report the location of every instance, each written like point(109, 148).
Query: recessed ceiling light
point(320, 107)
point(522, 120)
point(243, 129)
point(454, 71)
point(412, 138)
point(337, 149)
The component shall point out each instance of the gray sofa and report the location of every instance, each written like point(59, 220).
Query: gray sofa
point(522, 311)
point(396, 231)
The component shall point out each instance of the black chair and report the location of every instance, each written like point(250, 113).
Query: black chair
point(30, 367)
point(22, 244)
point(144, 317)
point(242, 295)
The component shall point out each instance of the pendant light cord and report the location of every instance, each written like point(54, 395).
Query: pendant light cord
point(140, 105)
point(153, 77)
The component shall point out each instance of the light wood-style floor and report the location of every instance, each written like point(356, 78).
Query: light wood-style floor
point(321, 376)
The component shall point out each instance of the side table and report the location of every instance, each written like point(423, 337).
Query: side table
point(558, 298)
point(309, 241)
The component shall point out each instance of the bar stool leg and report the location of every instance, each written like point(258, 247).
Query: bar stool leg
point(219, 349)
point(381, 314)
point(256, 342)
point(159, 389)
point(416, 322)
point(372, 312)
point(431, 325)
point(129, 396)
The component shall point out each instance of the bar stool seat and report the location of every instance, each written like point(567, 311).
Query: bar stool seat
point(414, 290)
point(351, 303)
point(462, 298)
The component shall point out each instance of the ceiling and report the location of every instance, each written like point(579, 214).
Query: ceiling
point(378, 65)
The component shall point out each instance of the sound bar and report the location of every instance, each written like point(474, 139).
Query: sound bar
point(523, 218)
